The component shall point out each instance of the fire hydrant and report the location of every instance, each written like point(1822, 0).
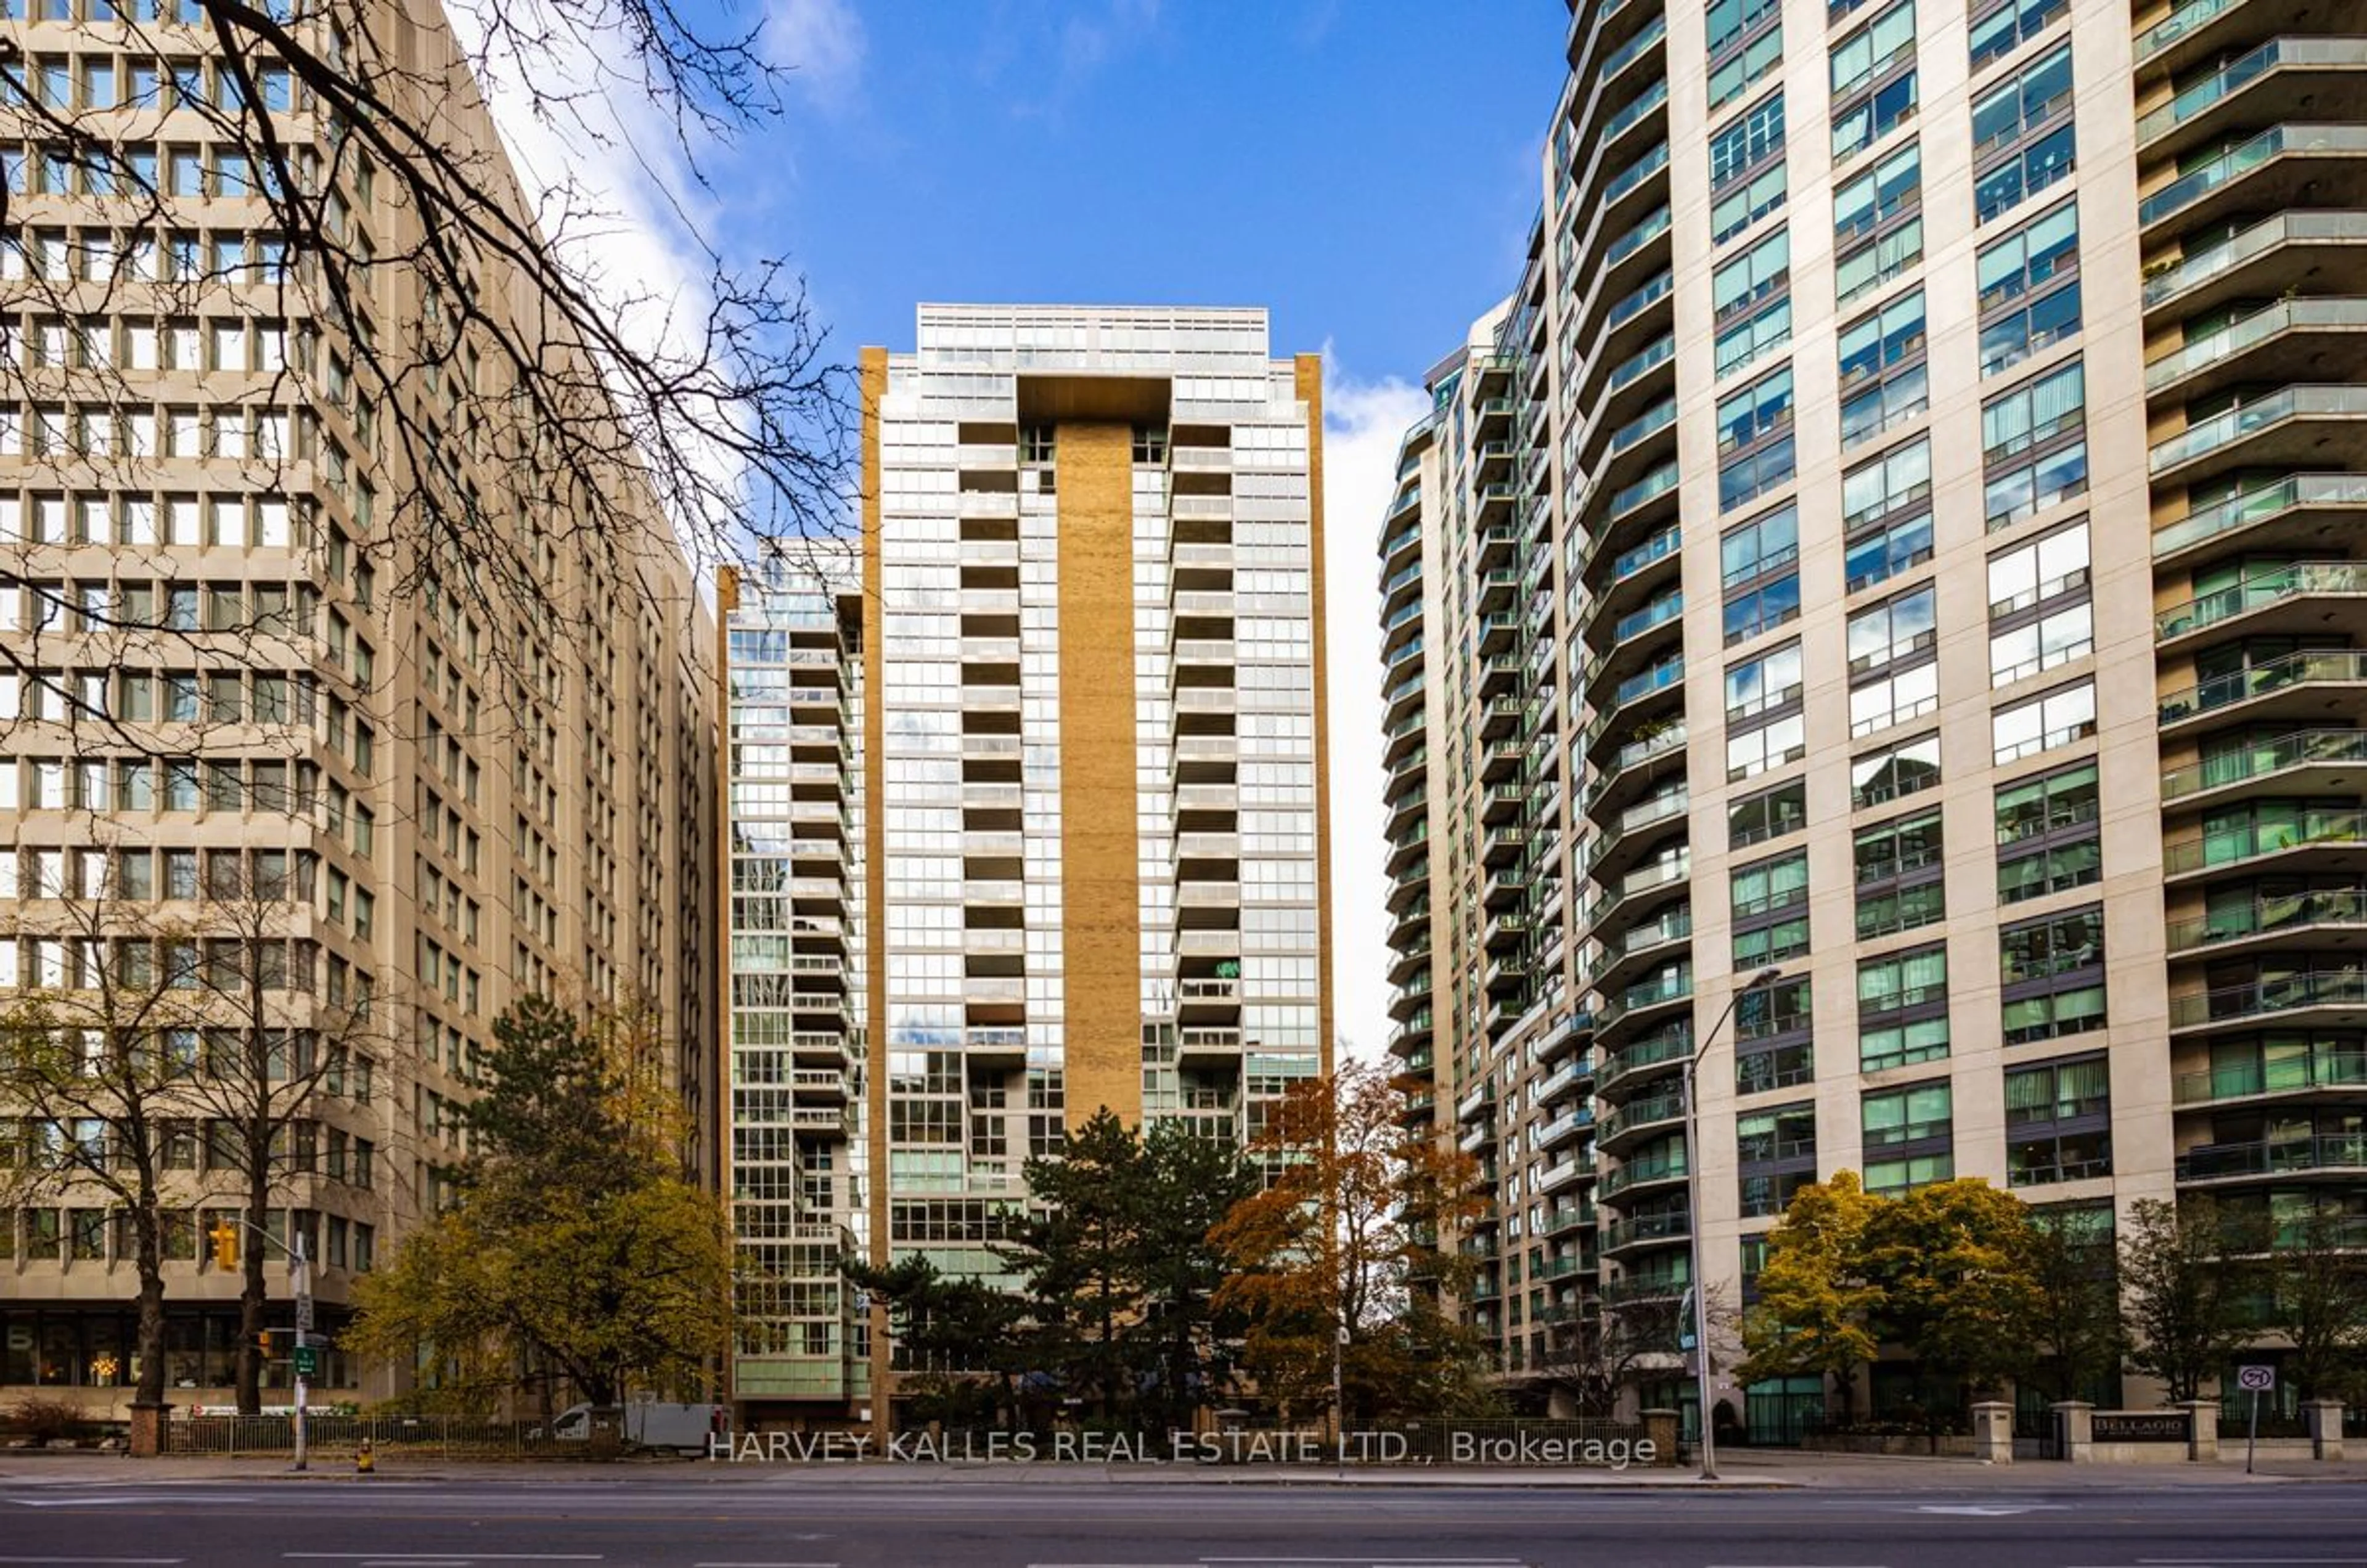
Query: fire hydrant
point(365, 1461)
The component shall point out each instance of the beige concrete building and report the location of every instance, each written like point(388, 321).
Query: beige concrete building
point(1903, 512)
point(1061, 847)
point(240, 698)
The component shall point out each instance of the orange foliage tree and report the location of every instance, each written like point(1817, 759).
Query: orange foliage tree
point(1353, 1235)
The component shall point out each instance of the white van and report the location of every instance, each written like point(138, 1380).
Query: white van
point(651, 1426)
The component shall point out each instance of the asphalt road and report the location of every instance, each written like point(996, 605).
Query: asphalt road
point(809, 1522)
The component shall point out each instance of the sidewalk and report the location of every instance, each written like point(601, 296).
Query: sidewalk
point(1739, 1471)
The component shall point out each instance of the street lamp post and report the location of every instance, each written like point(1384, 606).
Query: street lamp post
point(1700, 1292)
point(299, 1286)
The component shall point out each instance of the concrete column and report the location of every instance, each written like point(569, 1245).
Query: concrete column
point(2075, 1431)
point(2323, 1417)
point(1660, 1431)
point(1993, 1432)
point(2203, 1429)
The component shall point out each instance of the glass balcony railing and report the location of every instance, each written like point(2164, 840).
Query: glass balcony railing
point(2249, 419)
point(2263, 999)
point(1636, 174)
point(2273, 1156)
point(1635, 108)
point(2301, 749)
point(1659, 482)
point(2320, 1068)
point(1658, 352)
point(2255, 841)
point(2178, 24)
point(2246, 69)
point(1650, 293)
point(1654, 225)
point(1667, 1045)
point(1644, 1228)
point(2242, 159)
point(2267, 916)
point(1627, 53)
point(2289, 315)
point(2298, 228)
point(2289, 494)
point(1635, 1173)
point(1659, 546)
point(1656, 613)
point(1661, 416)
point(2307, 666)
point(2262, 588)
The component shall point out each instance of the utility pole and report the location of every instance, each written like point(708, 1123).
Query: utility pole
point(300, 1283)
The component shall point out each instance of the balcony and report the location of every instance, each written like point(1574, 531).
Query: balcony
point(1563, 1129)
point(992, 1045)
point(2322, 1068)
point(1653, 1287)
point(2199, 29)
point(1206, 1046)
point(2282, 429)
point(1643, 1231)
point(2274, 258)
point(2333, 1154)
point(1647, 1002)
point(1639, 946)
point(1632, 766)
point(2313, 841)
point(1621, 1128)
point(1630, 836)
point(2299, 512)
point(1653, 1051)
point(2311, 683)
point(2333, 997)
point(1638, 893)
point(2334, 917)
point(2328, 75)
point(1639, 1175)
point(2309, 762)
point(2286, 166)
point(2323, 338)
point(1563, 1172)
point(2285, 599)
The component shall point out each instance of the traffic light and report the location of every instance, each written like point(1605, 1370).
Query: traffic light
point(224, 1237)
point(262, 1342)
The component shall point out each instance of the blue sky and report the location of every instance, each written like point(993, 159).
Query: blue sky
point(1366, 169)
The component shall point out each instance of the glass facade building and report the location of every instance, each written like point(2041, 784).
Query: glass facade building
point(1076, 815)
point(1749, 611)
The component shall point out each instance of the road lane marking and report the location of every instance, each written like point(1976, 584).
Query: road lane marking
point(93, 1561)
point(385, 1556)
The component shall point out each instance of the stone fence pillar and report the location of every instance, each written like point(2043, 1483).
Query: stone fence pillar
point(2324, 1419)
point(2075, 1431)
point(1993, 1432)
point(149, 1428)
point(1660, 1431)
point(2203, 1429)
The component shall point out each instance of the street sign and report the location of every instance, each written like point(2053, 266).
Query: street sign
point(308, 1361)
point(2256, 1379)
point(304, 1313)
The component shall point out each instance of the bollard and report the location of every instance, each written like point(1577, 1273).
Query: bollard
point(365, 1461)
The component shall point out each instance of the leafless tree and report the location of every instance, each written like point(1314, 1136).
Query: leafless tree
point(411, 344)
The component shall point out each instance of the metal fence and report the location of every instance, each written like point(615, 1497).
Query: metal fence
point(431, 1437)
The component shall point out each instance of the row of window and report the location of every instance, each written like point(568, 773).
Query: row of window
point(2058, 1128)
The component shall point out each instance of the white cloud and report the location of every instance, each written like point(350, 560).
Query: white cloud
point(1362, 421)
point(822, 42)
